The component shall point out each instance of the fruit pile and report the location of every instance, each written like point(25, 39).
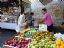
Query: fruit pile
point(42, 44)
point(17, 43)
point(59, 43)
point(20, 40)
point(42, 40)
point(42, 35)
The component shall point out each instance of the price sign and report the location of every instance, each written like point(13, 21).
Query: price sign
point(42, 27)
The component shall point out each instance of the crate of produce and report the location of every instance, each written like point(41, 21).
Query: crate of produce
point(16, 42)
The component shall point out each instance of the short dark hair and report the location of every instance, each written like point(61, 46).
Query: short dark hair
point(44, 9)
point(31, 13)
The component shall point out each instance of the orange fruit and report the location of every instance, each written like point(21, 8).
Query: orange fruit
point(58, 42)
point(62, 43)
point(62, 46)
point(57, 46)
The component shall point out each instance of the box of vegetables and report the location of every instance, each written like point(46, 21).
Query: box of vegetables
point(19, 40)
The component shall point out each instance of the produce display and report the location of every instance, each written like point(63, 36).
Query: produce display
point(42, 35)
point(42, 44)
point(42, 40)
point(59, 40)
point(59, 43)
point(36, 39)
point(20, 40)
point(18, 43)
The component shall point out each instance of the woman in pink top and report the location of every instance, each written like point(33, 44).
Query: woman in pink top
point(47, 19)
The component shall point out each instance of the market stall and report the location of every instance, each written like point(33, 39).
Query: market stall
point(9, 17)
point(10, 13)
point(33, 38)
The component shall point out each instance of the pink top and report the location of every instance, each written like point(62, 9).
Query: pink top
point(48, 19)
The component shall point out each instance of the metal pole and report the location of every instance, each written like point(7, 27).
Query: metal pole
point(22, 7)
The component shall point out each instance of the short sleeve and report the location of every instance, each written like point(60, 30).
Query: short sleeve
point(45, 16)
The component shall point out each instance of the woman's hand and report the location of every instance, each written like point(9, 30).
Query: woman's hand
point(41, 20)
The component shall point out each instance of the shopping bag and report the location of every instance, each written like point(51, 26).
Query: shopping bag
point(42, 27)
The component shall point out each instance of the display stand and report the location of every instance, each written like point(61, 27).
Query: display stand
point(8, 22)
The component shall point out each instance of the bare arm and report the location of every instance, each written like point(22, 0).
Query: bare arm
point(41, 20)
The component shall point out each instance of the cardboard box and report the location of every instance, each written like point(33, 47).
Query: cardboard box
point(62, 26)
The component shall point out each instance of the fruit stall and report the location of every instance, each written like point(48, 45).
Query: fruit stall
point(33, 38)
